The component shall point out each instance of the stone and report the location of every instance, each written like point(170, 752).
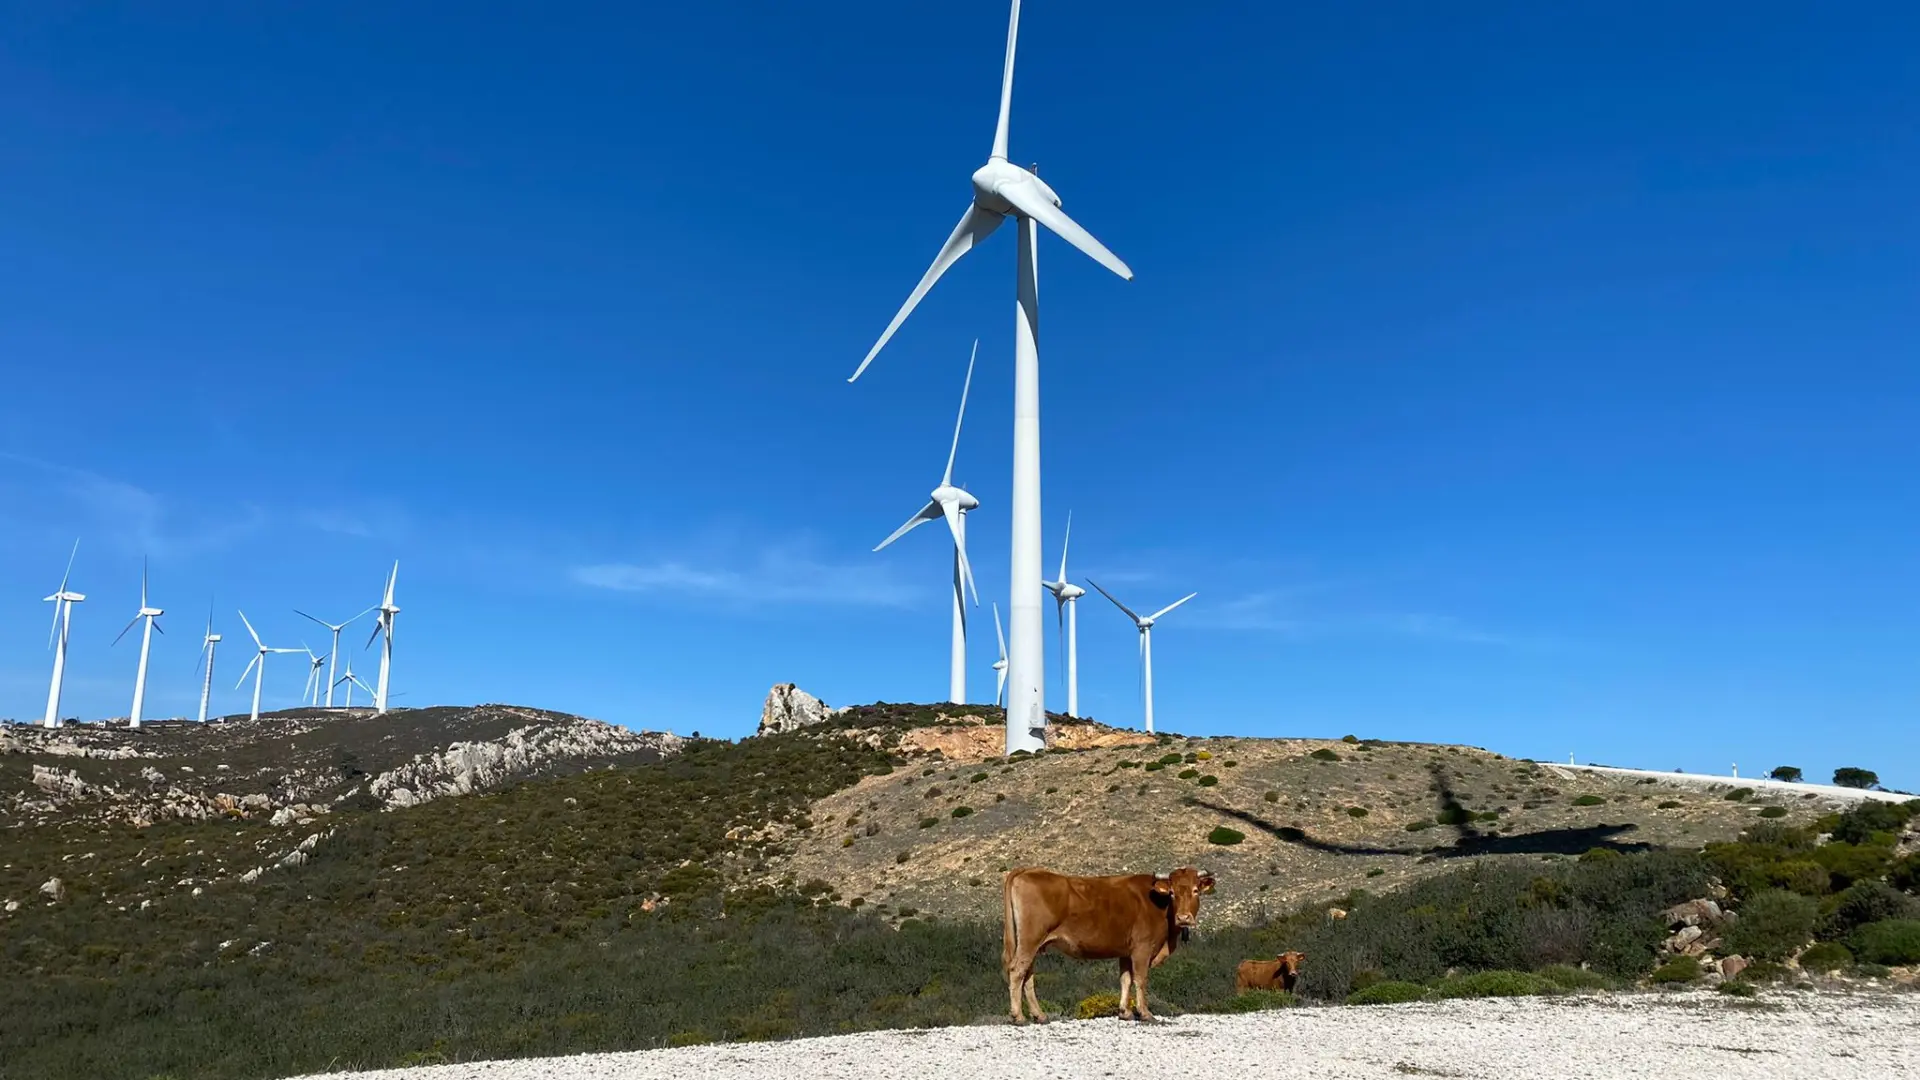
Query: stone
point(1687, 936)
point(789, 708)
point(13, 906)
point(1732, 966)
point(152, 775)
point(54, 889)
point(282, 816)
point(197, 890)
point(256, 803)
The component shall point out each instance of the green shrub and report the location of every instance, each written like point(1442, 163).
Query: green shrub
point(1865, 902)
point(1589, 800)
point(1766, 971)
point(929, 822)
point(1668, 804)
point(1324, 754)
point(1871, 971)
point(1188, 774)
point(976, 778)
point(1850, 776)
point(1568, 977)
point(1171, 759)
point(1481, 984)
point(1356, 811)
point(1375, 872)
point(1773, 924)
point(1892, 942)
point(1826, 956)
point(1203, 755)
point(962, 811)
point(1224, 836)
point(1154, 766)
point(1350, 739)
point(1740, 794)
point(1680, 969)
point(1737, 988)
point(1773, 811)
point(1271, 796)
point(1260, 1001)
point(1847, 863)
point(1095, 1006)
point(1598, 854)
point(1387, 993)
point(1453, 814)
point(903, 856)
point(1207, 780)
point(1787, 773)
point(1867, 820)
point(1905, 874)
point(1420, 826)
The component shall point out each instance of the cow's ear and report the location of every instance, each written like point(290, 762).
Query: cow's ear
point(1206, 882)
point(1162, 884)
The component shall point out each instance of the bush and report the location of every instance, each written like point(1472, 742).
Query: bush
point(962, 811)
point(1740, 794)
point(1224, 836)
point(1737, 988)
point(929, 822)
point(1260, 1001)
point(1095, 1006)
point(1785, 772)
point(1203, 755)
point(1773, 924)
point(1865, 902)
point(1668, 804)
point(1680, 969)
point(1826, 956)
point(1871, 971)
point(1453, 814)
point(1351, 740)
point(1568, 977)
point(1376, 872)
point(1598, 854)
point(1589, 800)
point(1847, 863)
point(1207, 780)
point(1356, 811)
point(977, 778)
point(1170, 759)
point(1905, 874)
point(1188, 774)
point(1154, 766)
point(1867, 821)
point(1387, 993)
point(1893, 942)
point(1271, 796)
point(1420, 826)
point(1324, 754)
point(1773, 811)
point(1482, 984)
point(1856, 778)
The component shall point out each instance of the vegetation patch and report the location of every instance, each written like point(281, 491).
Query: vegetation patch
point(1324, 754)
point(1224, 836)
point(1589, 800)
point(1481, 984)
point(1388, 993)
point(1679, 970)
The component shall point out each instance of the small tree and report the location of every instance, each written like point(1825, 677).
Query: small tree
point(1849, 776)
point(1786, 773)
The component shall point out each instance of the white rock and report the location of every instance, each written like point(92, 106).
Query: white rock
point(197, 890)
point(54, 889)
point(13, 906)
point(789, 708)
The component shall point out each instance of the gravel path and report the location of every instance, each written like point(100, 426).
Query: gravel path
point(1804, 1035)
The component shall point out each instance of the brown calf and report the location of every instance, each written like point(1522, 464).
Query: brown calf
point(1280, 973)
point(1137, 919)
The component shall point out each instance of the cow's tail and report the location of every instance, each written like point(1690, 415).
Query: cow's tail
point(1010, 933)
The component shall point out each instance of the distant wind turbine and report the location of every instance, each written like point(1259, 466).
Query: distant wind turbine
point(383, 628)
point(311, 694)
point(1064, 594)
point(333, 651)
point(351, 680)
point(1000, 665)
point(149, 613)
point(1004, 190)
point(63, 602)
point(952, 503)
point(206, 656)
point(258, 665)
point(1146, 642)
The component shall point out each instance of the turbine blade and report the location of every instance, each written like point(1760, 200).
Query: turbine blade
point(249, 626)
point(1006, 84)
point(975, 225)
point(1000, 687)
point(249, 671)
point(391, 578)
point(69, 571)
point(143, 582)
point(929, 512)
point(200, 660)
point(156, 627)
point(952, 512)
point(1063, 548)
point(355, 619)
point(379, 624)
point(1029, 200)
point(997, 632)
point(310, 618)
point(947, 477)
point(1116, 603)
point(123, 631)
point(1173, 605)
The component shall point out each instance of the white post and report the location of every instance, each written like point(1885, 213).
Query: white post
point(1026, 646)
point(140, 677)
point(1073, 658)
point(957, 667)
point(1146, 659)
point(64, 613)
point(206, 687)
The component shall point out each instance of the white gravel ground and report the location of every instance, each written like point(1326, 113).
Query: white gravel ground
point(1806, 1036)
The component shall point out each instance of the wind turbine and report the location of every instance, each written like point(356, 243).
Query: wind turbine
point(334, 650)
point(63, 602)
point(383, 628)
point(1001, 190)
point(1146, 642)
point(206, 654)
point(351, 680)
point(1064, 594)
point(258, 665)
point(310, 695)
point(952, 503)
point(1000, 665)
point(149, 613)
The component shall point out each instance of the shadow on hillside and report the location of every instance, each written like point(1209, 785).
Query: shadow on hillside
point(1468, 839)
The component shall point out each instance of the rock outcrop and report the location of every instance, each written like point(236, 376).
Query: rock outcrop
point(466, 767)
point(790, 708)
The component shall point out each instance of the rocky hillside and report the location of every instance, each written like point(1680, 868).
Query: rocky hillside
point(298, 764)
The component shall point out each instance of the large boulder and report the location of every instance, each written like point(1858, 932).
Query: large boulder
point(790, 708)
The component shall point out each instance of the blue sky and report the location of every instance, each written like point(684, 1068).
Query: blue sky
point(1543, 381)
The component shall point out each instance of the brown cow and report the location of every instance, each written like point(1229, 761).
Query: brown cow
point(1137, 919)
point(1280, 973)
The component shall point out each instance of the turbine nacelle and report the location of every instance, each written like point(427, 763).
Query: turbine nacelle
point(992, 182)
point(960, 497)
point(69, 597)
point(1064, 591)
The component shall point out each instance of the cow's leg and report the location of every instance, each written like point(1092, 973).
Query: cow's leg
point(1141, 963)
point(1126, 988)
point(1033, 999)
point(1018, 968)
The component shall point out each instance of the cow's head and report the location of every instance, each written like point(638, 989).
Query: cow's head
point(1291, 961)
point(1182, 890)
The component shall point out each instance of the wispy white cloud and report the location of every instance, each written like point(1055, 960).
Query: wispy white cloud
point(1285, 611)
point(774, 576)
point(135, 519)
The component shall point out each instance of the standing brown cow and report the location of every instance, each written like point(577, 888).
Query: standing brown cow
point(1279, 973)
point(1138, 919)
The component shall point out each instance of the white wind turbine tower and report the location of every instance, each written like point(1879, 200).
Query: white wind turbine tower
point(952, 503)
point(1146, 642)
point(63, 602)
point(1000, 665)
point(149, 613)
point(383, 628)
point(333, 651)
point(258, 665)
point(310, 694)
point(1001, 190)
point(352, 681)
point(206, 655)
point(1064, 594)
